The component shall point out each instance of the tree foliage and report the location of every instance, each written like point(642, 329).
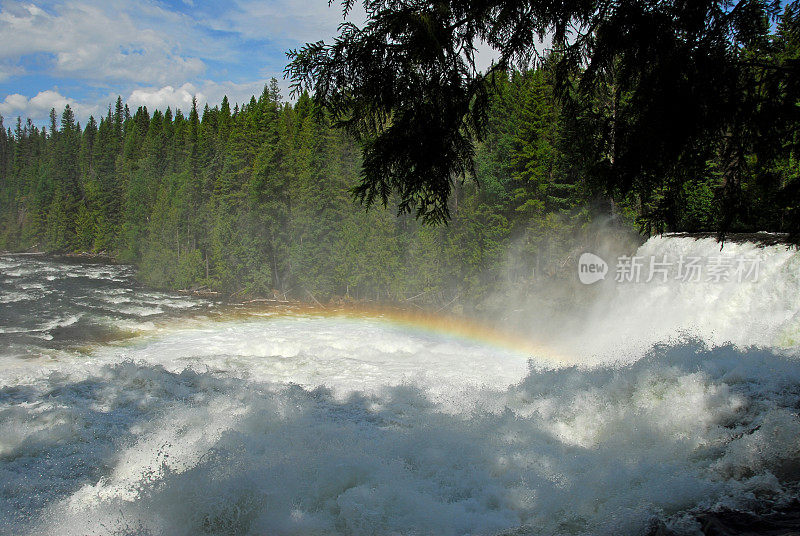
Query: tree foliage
point(653, 90)
point(256, 200)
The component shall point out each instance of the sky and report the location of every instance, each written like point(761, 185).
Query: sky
point(156, 53)
point(150, 52)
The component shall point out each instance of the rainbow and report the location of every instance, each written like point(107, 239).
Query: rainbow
point(418, 321)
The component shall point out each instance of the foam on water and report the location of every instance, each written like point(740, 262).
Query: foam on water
point(198, 445)
point(11, 297)
point(140, 310)
point(275, 424)
point(761, 310)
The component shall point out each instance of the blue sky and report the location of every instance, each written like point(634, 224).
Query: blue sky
point(151, 52)
point(156, 53)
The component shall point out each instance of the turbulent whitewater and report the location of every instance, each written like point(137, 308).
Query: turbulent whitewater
point(129, 411)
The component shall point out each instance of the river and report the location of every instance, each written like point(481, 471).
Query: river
point(125, 410)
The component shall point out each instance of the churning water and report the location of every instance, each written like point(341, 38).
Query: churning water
point(128, 411)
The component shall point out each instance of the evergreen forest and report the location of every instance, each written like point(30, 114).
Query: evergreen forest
point(257, 198)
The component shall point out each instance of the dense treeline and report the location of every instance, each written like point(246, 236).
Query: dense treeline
point(258, 199)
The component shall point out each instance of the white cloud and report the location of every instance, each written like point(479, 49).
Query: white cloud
point(207, 92)
point(13, 103)
point(39, 106)
point(176, 97)
point(7, 71)
point(485, 55)
point(287, 20)
point(45, 100)
point(106, 40)
point(117, 43)
point(161, 98)
point(155, 55)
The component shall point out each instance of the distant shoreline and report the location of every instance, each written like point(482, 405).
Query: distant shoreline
point(89, 256)
point(229, 298)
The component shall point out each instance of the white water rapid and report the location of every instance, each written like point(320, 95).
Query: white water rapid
point(127, 411)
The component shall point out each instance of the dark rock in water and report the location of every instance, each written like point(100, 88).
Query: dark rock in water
point(782, 522)
point(762, 238)
point(658, 528)
point(730, 523)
